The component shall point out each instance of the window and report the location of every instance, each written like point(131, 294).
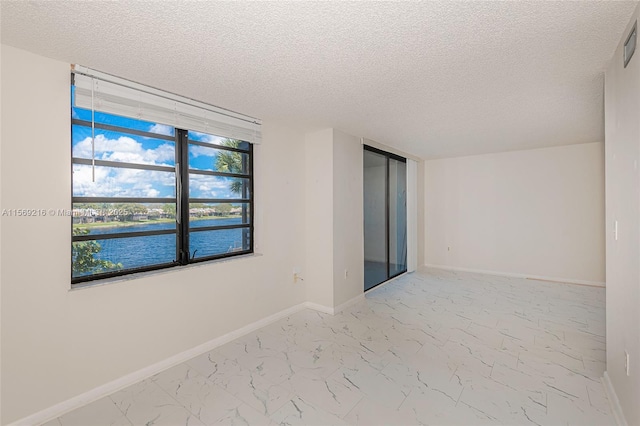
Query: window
point(148, 195)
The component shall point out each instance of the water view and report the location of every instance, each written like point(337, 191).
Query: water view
point(134, 252)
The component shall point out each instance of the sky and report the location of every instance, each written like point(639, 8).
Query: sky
point(121, 147)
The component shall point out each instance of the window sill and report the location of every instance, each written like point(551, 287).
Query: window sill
point(129, 277)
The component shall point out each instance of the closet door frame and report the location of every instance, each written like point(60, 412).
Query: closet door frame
point(388, 156)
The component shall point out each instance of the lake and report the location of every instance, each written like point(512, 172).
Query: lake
point(156, 249)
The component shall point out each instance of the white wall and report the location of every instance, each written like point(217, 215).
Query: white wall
point(348, 250)
point(622, 155)
point(412, 216)
point(58, 343)
point(318, 273)
point(421, 213)
point(334, 218)
point(536, 212)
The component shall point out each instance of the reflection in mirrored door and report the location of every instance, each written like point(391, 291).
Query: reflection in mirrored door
point(397, 217)
point(385, 216)
point(375, 219)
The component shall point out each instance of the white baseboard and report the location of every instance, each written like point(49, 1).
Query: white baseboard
point(137, 376)
point(332, 311)
point(514, 275)
point(320, 308)
point(613, 400)
point(348, 303)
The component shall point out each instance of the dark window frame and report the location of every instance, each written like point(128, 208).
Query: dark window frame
point(181, 200)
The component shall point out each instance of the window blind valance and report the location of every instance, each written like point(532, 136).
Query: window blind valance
point(113, 95)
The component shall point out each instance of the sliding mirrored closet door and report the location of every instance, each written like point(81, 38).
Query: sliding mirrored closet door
point(385, 216)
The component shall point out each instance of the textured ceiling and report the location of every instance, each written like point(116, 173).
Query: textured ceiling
point(435, 79)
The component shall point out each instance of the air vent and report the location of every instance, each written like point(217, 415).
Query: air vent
point(630, 44)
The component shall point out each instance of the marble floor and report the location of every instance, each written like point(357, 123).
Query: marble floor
point(432, 347)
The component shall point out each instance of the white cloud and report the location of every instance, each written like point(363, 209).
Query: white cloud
point(162, 129)
point(124, 149)
point(197, 150)
point(204, 137)
point(162, 154)
point(111, 182)
point(152, 192)
point(84, 185)
point(117, 182)
point(208, 187)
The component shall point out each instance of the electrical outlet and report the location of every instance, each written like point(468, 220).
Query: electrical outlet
point(626, 362)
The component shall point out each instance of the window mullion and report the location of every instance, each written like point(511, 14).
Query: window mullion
point(182, 158)
point(251, 202)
